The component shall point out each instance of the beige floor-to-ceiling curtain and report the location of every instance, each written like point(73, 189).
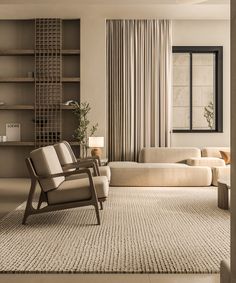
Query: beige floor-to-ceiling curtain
point(138, 86)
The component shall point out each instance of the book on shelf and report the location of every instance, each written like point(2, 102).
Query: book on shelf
point(13, 131)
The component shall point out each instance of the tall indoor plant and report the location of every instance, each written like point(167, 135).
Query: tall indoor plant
point(84, 130)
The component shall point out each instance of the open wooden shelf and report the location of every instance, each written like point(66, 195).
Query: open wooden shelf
point(71, 79)
point(17, 143)
point(16, 107)
point(12, 52)
point(28, 143)
point(30, 80)
point(16, 80)
point(30, 107)
point(18, 52)
point(70, 52)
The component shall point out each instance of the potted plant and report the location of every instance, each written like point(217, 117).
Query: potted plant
point(84, 130)
point(209, 114)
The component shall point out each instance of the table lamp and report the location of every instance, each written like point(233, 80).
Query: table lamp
point(96, 143)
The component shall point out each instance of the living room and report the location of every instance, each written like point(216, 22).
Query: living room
point(154, 79)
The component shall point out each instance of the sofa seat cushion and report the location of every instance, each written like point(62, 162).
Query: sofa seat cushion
point(78, 189)
point(206, 161)
point(133, 174)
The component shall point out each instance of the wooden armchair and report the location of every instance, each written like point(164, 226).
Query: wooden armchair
point(69, 162)
point(66, 156)
point(58, 192)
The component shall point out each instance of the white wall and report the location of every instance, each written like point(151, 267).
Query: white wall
point(206, 33)
point(93, 46)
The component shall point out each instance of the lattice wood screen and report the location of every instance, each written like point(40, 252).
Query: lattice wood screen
point(48, 84)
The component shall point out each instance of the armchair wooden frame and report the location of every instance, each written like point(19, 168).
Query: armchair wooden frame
point(30, 210)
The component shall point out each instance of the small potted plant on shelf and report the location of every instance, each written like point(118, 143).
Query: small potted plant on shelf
point(84, 130)
point(209, 114)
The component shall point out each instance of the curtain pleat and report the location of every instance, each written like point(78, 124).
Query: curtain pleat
point(138, 86)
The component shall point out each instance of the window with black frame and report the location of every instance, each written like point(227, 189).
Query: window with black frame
point(197, 89)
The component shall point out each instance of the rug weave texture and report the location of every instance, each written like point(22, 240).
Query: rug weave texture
point(143, 230)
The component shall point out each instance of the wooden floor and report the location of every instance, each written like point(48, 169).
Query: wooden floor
point(14, 191)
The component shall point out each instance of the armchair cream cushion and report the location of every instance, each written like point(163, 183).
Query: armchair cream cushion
point(46, 162)
point(66, 156)
point(78, 189)
point(63, 153)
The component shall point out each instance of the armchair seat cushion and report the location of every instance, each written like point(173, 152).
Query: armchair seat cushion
point(77, 190)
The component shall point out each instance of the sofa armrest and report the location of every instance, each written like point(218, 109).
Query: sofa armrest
point(206, 161)
point(220, 173)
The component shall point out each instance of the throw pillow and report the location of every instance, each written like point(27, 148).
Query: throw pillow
point(226, 156)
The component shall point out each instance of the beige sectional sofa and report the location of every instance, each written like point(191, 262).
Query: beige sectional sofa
point(218, 171)
point(170, 167)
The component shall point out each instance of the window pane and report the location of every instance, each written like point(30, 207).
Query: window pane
point(181, 91)
point(203, 86)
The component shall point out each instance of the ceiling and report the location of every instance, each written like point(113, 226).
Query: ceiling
point(116, 2)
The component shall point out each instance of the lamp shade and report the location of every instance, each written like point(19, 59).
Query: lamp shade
point(96, 141)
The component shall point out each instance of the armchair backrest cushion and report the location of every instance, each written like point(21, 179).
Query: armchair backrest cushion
point(46, 162)
point(214, 151)
point(168, 154)
point(64, 154)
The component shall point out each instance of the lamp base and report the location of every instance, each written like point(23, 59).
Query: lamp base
point(96, 152)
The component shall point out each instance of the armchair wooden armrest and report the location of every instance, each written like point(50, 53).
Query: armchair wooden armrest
point(95, 158)
point(83, 164)
point(65, 174)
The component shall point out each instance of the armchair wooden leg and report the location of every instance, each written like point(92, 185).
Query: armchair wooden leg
point(101, 205)
point(29, 207)
point(41, 199)
point(97, 213)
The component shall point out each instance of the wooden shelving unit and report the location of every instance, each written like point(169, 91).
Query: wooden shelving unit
point(29, 107)
point(20, 52)
point(16, 80)
point(28, 143)
point(17, 87)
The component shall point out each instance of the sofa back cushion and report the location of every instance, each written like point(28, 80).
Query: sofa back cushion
point(168, 154)
point(46, 162)
point(214, 151)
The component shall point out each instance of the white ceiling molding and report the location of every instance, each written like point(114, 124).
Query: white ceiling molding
point(190, 2)
point(118, 2)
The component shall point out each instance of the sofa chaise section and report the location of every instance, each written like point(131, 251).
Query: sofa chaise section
point(218, 171)
point(132, 174)
point(161, 167)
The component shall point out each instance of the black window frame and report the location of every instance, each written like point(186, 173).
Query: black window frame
point(218, 51)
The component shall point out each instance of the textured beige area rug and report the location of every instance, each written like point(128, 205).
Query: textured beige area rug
point(143, 230)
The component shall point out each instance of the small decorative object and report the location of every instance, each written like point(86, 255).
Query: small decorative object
point(4, 138)
point(30, 74)
point(83, 131)
point(209, 114)
point(96, 143)
point(70, 102)
point(13, 132)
